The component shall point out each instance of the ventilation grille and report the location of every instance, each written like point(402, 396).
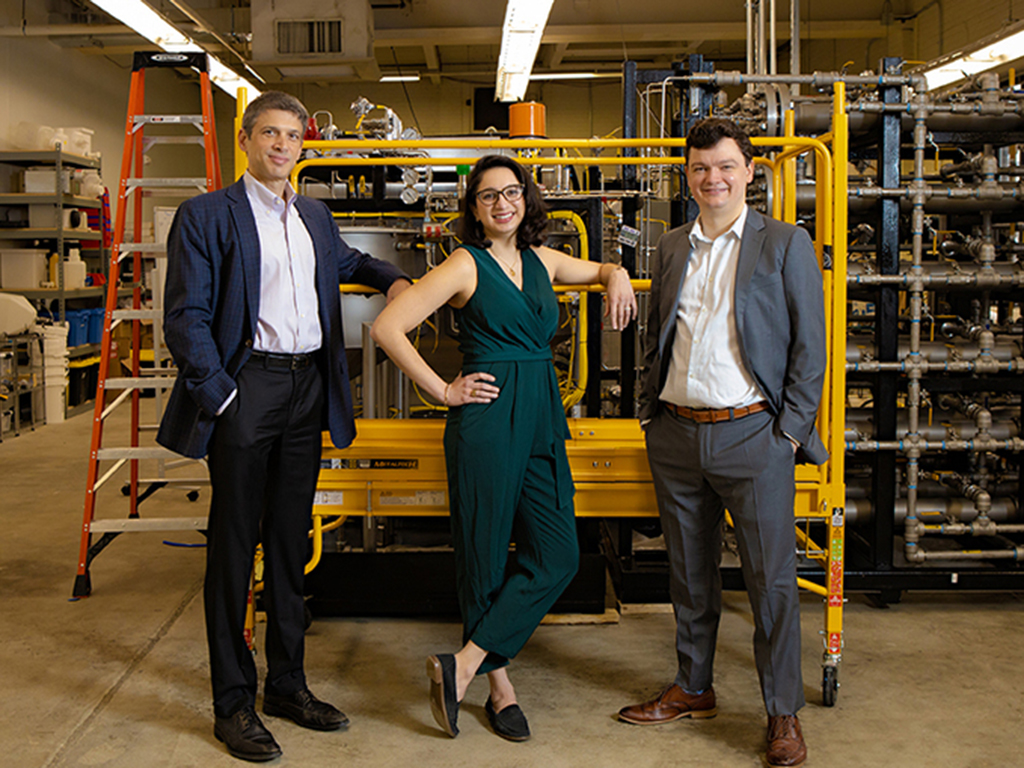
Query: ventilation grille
point(299, 36)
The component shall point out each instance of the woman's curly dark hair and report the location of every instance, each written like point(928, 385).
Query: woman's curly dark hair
point(535, 219)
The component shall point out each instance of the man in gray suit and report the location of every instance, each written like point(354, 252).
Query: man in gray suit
point(734, 366)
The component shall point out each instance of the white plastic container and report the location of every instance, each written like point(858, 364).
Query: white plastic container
point(16, 314)
point(79, 140)
point(45, 217)
point(74, 271)
point(163, 217)
point(90, 184)
point(23, 268)
point(43, 180)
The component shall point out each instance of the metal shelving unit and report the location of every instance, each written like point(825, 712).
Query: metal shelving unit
point(57, 238)
point(18, 346)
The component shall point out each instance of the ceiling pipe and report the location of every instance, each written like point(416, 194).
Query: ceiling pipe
point(66, 30)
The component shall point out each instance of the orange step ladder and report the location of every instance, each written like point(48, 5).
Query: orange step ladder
point(133, 186)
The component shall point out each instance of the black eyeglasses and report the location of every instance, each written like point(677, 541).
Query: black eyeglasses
point(513, 193)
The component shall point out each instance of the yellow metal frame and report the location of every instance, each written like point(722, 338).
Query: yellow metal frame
point(396, 467)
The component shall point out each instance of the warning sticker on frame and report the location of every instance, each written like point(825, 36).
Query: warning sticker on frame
point(412, 498)
point(328, 497)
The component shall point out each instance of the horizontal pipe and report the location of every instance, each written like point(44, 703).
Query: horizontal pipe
point(860, 425)
point(66, 30)
point(932, 510)
point(816, 118)
point(870, 446)
point(862, 350)
point(1016, 553)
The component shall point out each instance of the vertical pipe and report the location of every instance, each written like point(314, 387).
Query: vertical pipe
point(762, 64)
point(794, 44)
point(886, 329)
point(629, 83)
point(750, 37)
point(772, 54)
point(595, 232)
point(789, 173)
point(916, 297)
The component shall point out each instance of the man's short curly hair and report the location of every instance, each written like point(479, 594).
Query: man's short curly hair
point(708, 132)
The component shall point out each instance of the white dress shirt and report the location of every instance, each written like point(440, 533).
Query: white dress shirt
point(289, 322)
point(706, 369)
point(289, 319)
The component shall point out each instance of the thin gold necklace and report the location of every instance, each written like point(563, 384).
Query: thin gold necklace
point(511, 268)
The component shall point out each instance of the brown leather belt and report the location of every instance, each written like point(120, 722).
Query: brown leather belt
point(713, 415)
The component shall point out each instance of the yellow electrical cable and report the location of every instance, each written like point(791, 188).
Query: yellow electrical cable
point(576, 394)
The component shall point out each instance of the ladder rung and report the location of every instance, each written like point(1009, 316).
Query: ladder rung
point(166, 182)
point(148, 524)
point(127, 248)
point(194, 119)
point(127, 452)
point(174, 140)
point(138, 314)
point(139, 383)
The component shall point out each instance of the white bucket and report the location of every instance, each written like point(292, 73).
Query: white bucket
point(54, 403)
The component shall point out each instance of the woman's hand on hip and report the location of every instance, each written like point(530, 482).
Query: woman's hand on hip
point(471, 388)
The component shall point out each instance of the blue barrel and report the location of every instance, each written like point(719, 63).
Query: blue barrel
point(96, 325)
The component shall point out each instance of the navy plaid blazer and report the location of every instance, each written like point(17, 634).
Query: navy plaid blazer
point(211, 305)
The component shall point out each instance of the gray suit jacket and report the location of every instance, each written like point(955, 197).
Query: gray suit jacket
point(780, 318)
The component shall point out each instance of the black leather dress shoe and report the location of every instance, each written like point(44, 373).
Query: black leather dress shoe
point(443, 702)
point(509, 723)
point(305, 709)
point(246, 737)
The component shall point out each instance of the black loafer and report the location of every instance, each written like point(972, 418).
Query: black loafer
point(305, 709)
point(510, 723)
point(443, 702)
point(246, 737)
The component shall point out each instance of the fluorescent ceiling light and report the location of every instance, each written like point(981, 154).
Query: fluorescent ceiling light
point(155, 28)
point(1003, 48)
point(520, 40)
point(574, 75)
point(413, 78)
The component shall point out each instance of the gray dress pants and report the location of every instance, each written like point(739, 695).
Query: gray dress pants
point(745, 466)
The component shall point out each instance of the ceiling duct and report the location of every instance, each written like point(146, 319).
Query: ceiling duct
point(314, 39)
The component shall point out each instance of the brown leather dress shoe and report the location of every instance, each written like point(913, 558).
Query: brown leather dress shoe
point(786, 747)
point(671, 704)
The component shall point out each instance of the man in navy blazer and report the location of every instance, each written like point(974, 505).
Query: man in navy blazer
point(734, 366)
point(253, 319)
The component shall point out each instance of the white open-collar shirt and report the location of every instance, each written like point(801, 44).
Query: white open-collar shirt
point(289, 317)
point(706, 369)
point(289, 320)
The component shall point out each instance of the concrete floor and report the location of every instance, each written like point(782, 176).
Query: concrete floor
point(120, 679)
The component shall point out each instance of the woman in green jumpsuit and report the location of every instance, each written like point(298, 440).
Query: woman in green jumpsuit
point(508, 475)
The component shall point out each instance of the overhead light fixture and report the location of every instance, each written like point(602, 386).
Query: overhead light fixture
point(520, 40)
point(412, 78)
point(155, 28)
point(990, 52)
point(575, 75)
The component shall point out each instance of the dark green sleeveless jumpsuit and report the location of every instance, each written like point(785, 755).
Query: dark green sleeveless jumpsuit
point(508, 474)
